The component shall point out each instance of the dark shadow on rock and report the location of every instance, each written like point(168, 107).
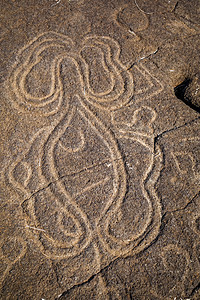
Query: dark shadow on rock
point(182, 92)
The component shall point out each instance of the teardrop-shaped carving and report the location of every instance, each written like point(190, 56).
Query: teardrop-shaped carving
point(73, 140)
point(22, 173)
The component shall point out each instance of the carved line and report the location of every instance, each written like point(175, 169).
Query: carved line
point(134, 119)
point(92, 186)
point(117, 161)
point(10, 176)
point(127, 246)
point(183, 154)
point(102, 283)
point(21, 70)
point(78, 148)
point(120, 97)
point(49, 147)
point(10, 264)
point(128, 28)
point(149, 77)
point(106, 67)
point(118, 196)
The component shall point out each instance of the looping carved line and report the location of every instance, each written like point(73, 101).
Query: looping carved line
point(29, 57)
point(121, 87)
point(80, 95)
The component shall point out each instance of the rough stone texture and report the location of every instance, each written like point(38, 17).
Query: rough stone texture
point(100, 149)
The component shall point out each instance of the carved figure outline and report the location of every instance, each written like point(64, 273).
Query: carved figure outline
point(72, 93)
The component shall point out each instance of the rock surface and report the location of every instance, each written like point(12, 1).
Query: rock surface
point(100, 151)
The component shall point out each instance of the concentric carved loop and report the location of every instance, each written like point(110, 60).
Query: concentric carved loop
point(107, 83)
point(70, 200)
point(36, 61)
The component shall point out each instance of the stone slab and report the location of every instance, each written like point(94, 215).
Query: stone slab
point(100, 147)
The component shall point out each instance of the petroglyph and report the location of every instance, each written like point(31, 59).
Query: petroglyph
point(71, 202)
point(126, 18)
point(135, 126)
point(153, 86)
point(115, 83)
point(110, 87)
point(185, 162)
point(12, 249)
point(30, 91)
point(99, 156)
point(181, 171)
point(170, 256)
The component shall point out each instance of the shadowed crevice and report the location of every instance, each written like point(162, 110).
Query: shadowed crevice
point(180, 93)
point(195, 290)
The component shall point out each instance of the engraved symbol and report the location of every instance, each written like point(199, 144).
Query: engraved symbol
point(111, 86)
point(24, 172)
point(185, 162)
point(26, 81)
point(11, 250)
point(132, 20)
point(73, 138)
point(152, 88)
point(175, 261)
point(72, 174)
